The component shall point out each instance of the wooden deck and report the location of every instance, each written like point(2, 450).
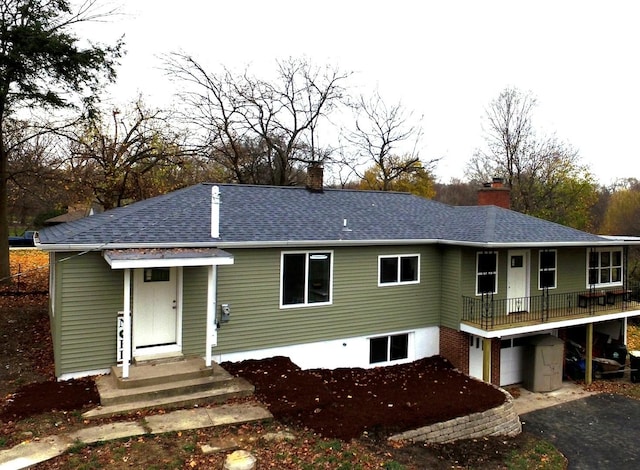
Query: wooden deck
point(530, 318)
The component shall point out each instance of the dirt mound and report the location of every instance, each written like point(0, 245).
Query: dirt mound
point(344, 403)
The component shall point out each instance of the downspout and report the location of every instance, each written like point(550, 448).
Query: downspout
point(212, 327)
point(212, 271)
point(126, 346)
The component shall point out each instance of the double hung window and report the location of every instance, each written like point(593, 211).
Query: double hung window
point(487, 273)
point(306, 278)
point(548, 268)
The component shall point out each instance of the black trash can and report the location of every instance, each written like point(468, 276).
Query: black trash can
point(634, 363)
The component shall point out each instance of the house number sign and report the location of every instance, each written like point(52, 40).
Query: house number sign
point(120, 338)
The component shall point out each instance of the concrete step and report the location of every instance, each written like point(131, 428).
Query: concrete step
point(233, 389)
point(166, 383)
point(112, 395)
point(163, 371)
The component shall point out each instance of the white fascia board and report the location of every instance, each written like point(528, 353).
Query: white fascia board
point(545, 326)
point(537, 244)
point(167, 263)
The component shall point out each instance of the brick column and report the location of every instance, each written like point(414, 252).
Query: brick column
point(454, 346)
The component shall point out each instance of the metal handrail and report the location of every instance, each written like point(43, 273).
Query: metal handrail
point(489, 312)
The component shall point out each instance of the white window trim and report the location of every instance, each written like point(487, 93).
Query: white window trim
point(399, 257)
point(555, 269)
point(410, 348)
point(606, 284)
point(306, 303)
point(495, 287)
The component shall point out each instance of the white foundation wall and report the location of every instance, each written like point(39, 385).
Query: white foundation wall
point(346, 352)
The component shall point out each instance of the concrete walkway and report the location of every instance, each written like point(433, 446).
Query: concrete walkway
point(32, 452)
point(530, 401)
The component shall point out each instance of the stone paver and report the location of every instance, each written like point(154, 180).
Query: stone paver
point(35, 451)
point(32, 452)
point(107, 432)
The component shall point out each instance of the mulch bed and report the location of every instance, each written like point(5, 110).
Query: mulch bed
point(345, 403)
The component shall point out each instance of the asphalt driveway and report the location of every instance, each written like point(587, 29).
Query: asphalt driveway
point(598, 432)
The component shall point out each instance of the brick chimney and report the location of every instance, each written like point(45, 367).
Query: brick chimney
point(495, 194)
point(314, 178)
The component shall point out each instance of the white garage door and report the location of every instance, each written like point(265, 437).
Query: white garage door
point(511, 360)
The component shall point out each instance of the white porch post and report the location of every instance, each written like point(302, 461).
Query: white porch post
point(211, 329)
point(126, 354)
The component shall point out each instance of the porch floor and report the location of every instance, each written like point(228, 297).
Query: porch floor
point(166, 384)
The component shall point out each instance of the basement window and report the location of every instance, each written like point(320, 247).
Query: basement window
point(388, 348)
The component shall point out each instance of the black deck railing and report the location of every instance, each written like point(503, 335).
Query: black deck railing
point(489, 313)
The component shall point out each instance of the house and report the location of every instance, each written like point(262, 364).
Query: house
point(330, 278)
point(75, 212)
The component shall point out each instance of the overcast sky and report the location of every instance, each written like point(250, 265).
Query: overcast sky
point(446, 60)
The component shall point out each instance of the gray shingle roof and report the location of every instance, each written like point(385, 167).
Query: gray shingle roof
point(269, 215)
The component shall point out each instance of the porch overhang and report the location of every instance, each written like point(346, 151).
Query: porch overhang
point(166, 257)
point(550, 325)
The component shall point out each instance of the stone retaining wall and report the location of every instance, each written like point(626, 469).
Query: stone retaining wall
point(500, 421)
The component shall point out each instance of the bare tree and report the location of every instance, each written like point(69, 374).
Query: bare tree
point(545, 174)
point(260, 131)
point(35, 183)
point(385, 143)
point(113, 158)
point(509, 135)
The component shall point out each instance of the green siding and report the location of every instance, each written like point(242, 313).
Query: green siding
point(572, 270)
point(88, 298)
point(89, 295)
point(194, 310)
point(252, 287)
point(451, 287)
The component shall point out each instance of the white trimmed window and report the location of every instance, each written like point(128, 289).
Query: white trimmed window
point(604, 267)
point(547, 269)
point(388, 348)
point(486, 273)
point(306, 278)
point(398, 269)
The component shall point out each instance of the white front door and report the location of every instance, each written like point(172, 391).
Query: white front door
point(518, 281)
point(155, 310)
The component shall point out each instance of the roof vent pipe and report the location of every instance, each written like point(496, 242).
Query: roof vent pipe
point(215, 212)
